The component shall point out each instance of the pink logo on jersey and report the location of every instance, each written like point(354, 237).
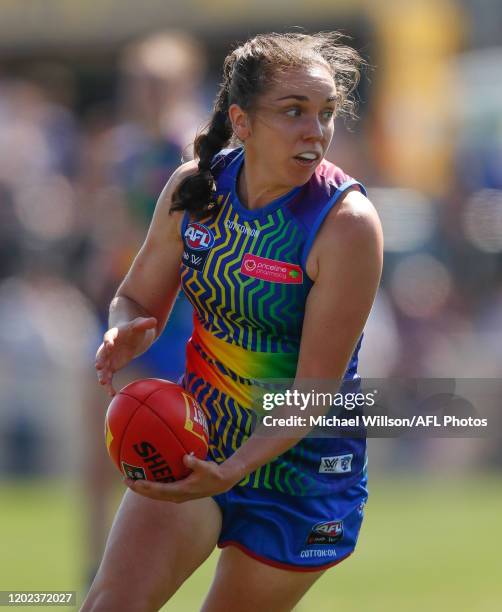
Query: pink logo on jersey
point(271, 270)
point(249, 264)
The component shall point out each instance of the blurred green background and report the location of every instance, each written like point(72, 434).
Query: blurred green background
point(427, 543)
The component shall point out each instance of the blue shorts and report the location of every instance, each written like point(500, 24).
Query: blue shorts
point(308, 533)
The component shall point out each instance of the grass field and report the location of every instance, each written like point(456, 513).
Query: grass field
point(425, 545)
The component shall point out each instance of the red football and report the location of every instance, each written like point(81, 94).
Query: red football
point(150, 425)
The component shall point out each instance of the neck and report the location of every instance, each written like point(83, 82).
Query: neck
point(255, 188)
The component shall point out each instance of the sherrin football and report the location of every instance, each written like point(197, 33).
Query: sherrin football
point(150, 425)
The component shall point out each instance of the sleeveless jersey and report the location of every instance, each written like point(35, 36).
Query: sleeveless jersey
point(244, 273)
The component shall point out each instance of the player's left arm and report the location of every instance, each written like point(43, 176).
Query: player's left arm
point(345, 264)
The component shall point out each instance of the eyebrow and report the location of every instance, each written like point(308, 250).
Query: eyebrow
point(303, 98)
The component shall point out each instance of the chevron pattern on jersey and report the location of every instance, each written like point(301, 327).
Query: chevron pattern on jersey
point(229, 423)
point(247, 328)
point(255, 314)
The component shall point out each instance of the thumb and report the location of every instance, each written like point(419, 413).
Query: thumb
point(110, 337)
point(193, 463)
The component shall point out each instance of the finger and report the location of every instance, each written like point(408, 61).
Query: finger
point(99, 352)
point(139, 487)
point(101, 355)
point(175, 492)
point(195, 464)
point(109, 385)
point(162, 497)
point(105, 376)
point(102, 376)
point(102, 361)
point(109, 390)
point(110, 337)
point(102, 365)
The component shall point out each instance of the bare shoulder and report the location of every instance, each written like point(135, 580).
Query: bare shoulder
point(168, 220)
point(355, 218)
point(179, 175)
point(351, 229)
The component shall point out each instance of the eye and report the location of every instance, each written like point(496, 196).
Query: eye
point(296, 111)
point(328, 114)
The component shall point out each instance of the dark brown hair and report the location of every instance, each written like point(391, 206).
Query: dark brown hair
point(247, 73)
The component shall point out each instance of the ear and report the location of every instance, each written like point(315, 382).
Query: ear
point(241, 124)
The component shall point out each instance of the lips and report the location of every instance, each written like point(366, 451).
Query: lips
point(307, 163)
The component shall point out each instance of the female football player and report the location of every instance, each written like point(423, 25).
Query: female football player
point(280, 254)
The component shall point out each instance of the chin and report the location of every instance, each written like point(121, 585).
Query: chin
point(300, 176)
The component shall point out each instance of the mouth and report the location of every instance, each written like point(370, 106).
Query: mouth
point(308, 159)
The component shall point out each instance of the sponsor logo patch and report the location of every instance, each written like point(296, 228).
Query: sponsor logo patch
point(198, 241)
point(241, 228)
point(339, 464)
point(133, 472)
point(327, 532)
point(271, 270)
point(198, 237)
point(313, 553)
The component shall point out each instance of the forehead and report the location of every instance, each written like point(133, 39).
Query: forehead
point(303, 81)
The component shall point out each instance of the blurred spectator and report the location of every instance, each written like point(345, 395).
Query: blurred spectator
point(161, 110)
point(126, 163)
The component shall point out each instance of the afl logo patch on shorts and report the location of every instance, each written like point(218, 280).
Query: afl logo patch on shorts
point(198, 241)
point(339, 464)
point(328, 532)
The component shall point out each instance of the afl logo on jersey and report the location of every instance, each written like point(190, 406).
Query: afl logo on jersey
point(198, 237)
point(198, 242)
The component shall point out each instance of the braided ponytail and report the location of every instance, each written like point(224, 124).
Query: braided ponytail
point(194, 192)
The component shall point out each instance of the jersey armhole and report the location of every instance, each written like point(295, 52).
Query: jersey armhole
point(184, 223)
point(322, 215)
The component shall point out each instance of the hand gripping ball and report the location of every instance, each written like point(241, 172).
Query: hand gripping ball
point(150, 425)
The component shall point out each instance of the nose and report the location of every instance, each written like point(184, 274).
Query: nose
point(313, 129)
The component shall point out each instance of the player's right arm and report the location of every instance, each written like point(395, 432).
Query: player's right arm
point(141, 306)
